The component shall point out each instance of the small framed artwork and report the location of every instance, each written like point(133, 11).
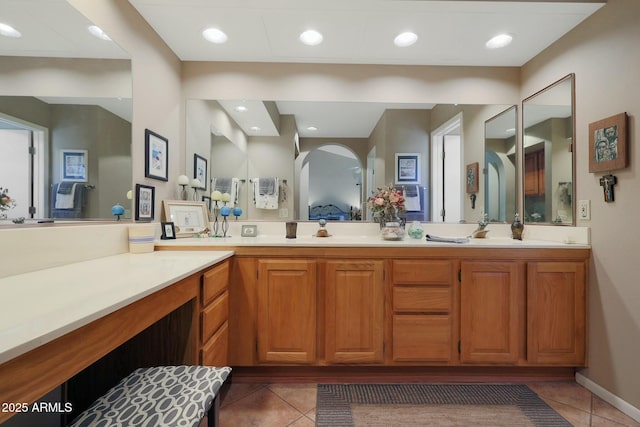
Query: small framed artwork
point(145, 201)
point(188, 217)
point(407, 168)
point(207, 200)
point(200, 170)
point(168, 230)
point(472, 178)
point(74, 165)
point(156, 161)
point(608, 144)
point(249, 230)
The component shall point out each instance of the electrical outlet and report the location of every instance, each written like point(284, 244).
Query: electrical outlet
point(584, 210)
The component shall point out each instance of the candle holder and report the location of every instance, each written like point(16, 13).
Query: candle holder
point(225, 211)
point(216, 197)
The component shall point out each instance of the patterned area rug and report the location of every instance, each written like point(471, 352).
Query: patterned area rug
point(432, 405)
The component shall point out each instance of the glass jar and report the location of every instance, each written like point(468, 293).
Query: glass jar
point(415, 230)
point(392, 231)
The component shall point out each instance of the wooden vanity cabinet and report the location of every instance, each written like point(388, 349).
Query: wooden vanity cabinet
point(492, 307)
point(556, 313)
point(214, 313)
point(287, 303)
point(534, 178)
point(354, 311)
point(424, 307)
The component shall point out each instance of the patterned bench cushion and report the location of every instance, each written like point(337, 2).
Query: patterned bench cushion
point(159, 396)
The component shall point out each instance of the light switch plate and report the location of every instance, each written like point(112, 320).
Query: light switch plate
point(584, 210)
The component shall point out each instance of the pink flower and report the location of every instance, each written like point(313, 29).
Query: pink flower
point(379, 201)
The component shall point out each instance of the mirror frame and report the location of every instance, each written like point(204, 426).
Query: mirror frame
point(571, 78)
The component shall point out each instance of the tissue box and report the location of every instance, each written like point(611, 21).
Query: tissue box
point(141, 237)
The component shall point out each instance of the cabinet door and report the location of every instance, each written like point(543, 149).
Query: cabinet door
point(534, 180)
point(287, 311)
point(556, 313)
point(354, 312)
point(491, 306)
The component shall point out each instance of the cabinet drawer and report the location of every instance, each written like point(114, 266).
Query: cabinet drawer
point(214, 352)
point(422, 338)
point(425, 271)
point(214, 282)
point(214, 315)
point(422, 298)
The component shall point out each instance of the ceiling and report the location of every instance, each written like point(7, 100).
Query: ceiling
point(451, 32)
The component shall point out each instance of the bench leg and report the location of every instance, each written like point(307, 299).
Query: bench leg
point(214, 413)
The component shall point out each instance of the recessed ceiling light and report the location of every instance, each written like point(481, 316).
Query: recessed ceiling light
point(501, 40)
point(9, 31)
point(97, 32)
point(405, 39)
point(311, 37)
point(214, 35)
point(312, 128)
point(241, 109)
point(254, 128)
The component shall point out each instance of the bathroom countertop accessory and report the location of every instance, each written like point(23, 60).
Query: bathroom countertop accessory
point(481, 231)
point(322, 232)
point(517, 227)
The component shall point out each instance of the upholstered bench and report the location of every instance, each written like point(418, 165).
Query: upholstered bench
point(159, 396)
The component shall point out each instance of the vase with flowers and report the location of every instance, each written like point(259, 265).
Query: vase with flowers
point(386, 205)
point(6, 202)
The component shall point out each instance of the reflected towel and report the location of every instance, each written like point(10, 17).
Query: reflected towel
point(65, 200)
point(228, 185)
point(412, 198)
point(265, 193)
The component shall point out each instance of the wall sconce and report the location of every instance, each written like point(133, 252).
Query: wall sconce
point(195, 184)
point(183, 180)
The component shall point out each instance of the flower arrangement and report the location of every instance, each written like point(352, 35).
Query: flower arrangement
point(6, 202)
point(386, 203)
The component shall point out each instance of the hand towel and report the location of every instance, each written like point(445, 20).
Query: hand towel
point(265, 193)
point(65, 200)
point(432, 238)
point(412, 198)
point(228, 185)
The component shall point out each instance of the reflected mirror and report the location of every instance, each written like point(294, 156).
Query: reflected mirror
point(65, 96)
point(500, 139)
point(548, 129)
point(329, 156)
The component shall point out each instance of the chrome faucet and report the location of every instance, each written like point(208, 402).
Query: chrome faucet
point(481, 231)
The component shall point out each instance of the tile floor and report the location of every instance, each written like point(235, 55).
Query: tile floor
point(293, 405)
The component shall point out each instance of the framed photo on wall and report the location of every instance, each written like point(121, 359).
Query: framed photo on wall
point(74, 165)
point(156, 160)
point(145, 201)
point(472, 178)
point(407, 168)
point(200, 170)
point(608, 144)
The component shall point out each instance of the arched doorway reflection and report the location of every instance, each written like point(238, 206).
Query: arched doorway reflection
point(331, 184)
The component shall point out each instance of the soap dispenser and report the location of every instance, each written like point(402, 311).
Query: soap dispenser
point(517, 227)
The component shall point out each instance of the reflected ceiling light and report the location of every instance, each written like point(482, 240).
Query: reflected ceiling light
point(510, 130)
point(97, 32)
point(405, 39)
point(312, 128)
point(501, 40)
point(254, 128)
point(311, 38)
point(241, 109)
point(214, 35)
point(8, 31)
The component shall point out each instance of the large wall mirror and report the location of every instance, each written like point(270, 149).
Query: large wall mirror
point(330, 156)
point(67, 95)
point(548, 129)
point(500, 141)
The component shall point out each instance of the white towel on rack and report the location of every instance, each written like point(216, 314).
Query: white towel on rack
point(65, 200)
point(265, 193)
point(412, 198)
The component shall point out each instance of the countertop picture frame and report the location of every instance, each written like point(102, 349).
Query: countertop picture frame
point(472, 177)
point(200, 170)
point(168, 230)
point(608, 144)
point(188, 217)
point(407, 168)
point(74, 165)
point(156, 158)
point(145, 202)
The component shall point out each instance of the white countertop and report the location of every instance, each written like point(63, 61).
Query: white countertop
point(40, 306)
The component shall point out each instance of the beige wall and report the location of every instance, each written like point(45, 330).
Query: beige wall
point(603, 53)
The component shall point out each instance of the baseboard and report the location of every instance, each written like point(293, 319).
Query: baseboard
point(608, 397)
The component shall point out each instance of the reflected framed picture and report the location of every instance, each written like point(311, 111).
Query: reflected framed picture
point(407, 168)
point(189, 217)
point(200, 170)
point(472, 177)
point(156, 156)
point(145, 201)
point(608, 144)
point(74, 165)
point(168, 230)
